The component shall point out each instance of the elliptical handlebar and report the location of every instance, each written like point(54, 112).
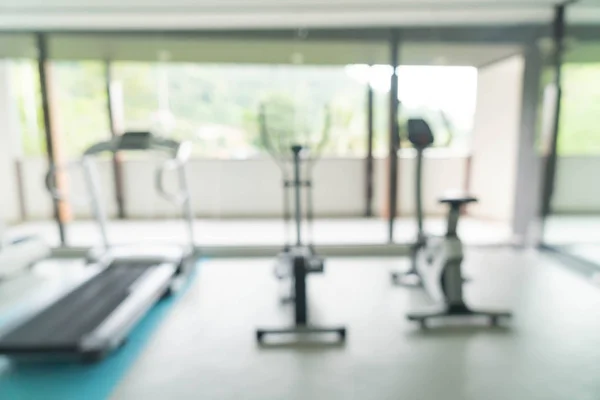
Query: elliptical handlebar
point(278, 146)
point(182, 155)
point(279, 150)
point(296, 149)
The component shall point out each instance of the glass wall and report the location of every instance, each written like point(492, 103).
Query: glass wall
point(210, 91)
point(217, 105)
point(27, 96)
point(573, 225)
point(82, 118)
point(22, 139)
point(81, 113)
point(444, 96)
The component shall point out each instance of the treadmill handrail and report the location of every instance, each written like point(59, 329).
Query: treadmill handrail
point(50, 181)
point(177, 163)
point(176, 198)
point(178, 152)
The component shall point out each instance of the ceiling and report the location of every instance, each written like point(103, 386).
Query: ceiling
point(250, 51)
point(266, 4)
point(250, 14)
point(143, 48)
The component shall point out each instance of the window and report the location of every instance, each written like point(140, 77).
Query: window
point(28, 96)
point(81, 110)
point(80, 106)
point(578, 132)
point(217, 105)
point(444, 96)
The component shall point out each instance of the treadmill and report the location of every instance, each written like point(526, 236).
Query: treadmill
point(94, 317)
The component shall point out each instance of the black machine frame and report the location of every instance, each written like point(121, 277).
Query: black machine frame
point(298, 259)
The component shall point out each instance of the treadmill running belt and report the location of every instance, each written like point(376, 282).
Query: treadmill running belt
point(65, 322)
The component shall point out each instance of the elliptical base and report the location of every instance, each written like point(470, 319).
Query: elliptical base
point(301, 329)
point(457, 310)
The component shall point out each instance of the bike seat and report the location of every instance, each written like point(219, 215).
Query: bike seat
point(457, 199)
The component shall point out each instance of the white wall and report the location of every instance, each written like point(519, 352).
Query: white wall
point(252, 188)
point(78, 190)
point(443, 171)
point(220, 188)
point(577, 189)
point(495, 139)
point(9, 132)
point(339, 187)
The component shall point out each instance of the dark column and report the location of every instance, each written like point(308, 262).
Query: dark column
point(116, 161)
point(558, 33)
point(61, 209)
point(394, 141)
point(369, 160)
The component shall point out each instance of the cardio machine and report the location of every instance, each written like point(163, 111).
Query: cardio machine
point(436, 261)
point(297, 260)
point(122, 283)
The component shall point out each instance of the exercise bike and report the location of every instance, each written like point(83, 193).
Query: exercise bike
point(297, 260)
point(436, 261)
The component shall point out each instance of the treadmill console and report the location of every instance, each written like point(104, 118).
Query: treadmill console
point(135, 141)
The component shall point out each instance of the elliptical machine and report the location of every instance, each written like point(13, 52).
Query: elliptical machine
point(436, 261)
point(297, 260)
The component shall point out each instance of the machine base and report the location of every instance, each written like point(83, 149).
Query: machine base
point(458, 310)
point(301, 329)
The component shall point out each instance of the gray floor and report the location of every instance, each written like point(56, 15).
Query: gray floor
point(559, 230)
point(572, 229)
point(578, 235)
point(262, 231)
point(205, 348)
point(590, 252)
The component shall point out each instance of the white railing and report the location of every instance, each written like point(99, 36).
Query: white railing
point(241, 188)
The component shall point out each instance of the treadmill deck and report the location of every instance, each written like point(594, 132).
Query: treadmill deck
point(62, 325)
